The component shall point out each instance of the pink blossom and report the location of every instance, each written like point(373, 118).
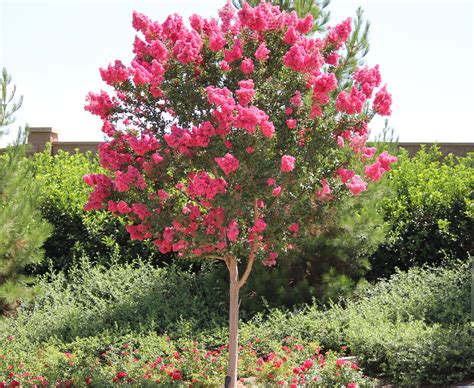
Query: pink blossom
point(340, 141)
point(173, 28)
point(249, 118)
point(229, 163)
point(219, 97)
point(368, 152)
point(224, 66)
point(114, 74)
point(141, 22)
point(296, 100)
point(344, 174)
point(125, 180)
point(235, 53)
point(142, 145)
point(382, 102)
point(296, 58)
point(246, 92)
point(350, 103)
point(291, 123)
point(294, 228)
point(356, 185)
point(123, 208)
point(247, 66)
point(325, 193)
point(216, 41)
point(262, 52)
point(260, 226)
point(287, 163)
point(267, 128)
point(226, 14)
point(271, 260)
point(138, 232)
point(197, 22)
point(322, 85)
point(188, 47)
point(305, 25)
point(290, 37)
point(140, 210)
point(368, 79)
point(250, 150)
point(332, 59)
point(315, 111)
point(385, 160)
point(339, 34)
point(159, 51)
point(141, 74)
point(271, 182)
point(276, 191)
point(232, 230)
point(202, 185)
point(356, 142)
point(100, 104)
point(253, 18)
point(374, 171)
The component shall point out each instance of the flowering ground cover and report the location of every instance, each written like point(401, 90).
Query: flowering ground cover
point(161, 360)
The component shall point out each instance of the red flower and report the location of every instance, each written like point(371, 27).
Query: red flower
point(176, 375)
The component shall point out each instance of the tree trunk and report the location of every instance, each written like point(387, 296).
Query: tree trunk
point(231, 379)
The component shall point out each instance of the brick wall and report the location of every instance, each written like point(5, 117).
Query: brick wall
point(40, 136)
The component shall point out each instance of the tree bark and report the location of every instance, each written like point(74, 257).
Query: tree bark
point(231, 380)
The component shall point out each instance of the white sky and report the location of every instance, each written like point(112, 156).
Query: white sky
point(53, 50)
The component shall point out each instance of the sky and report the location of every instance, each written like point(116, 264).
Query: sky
point(54, 48)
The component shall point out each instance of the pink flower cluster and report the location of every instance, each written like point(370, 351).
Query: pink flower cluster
point(188, 160)
point(229, 163)
point(382, 165)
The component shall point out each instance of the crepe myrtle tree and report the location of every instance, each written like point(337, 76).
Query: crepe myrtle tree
point(225, 138)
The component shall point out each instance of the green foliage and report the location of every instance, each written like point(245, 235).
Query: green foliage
point(431, 215)
point(411, 329)
point(63, 195)
point(22, 231)
point(8, 106)
point(125, 298)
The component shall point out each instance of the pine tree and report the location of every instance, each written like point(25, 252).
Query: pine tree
point(22, 231)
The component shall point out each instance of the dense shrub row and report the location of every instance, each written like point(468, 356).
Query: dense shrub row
point(63, 195)
point(431, 213)
point(412, 329)
point(395, 224)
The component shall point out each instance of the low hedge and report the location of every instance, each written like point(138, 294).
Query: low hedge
point(412, 329)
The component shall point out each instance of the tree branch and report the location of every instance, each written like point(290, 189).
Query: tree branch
point(248, 269)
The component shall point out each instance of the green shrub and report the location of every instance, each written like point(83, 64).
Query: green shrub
point(22, 230)
point(412, 329)
point(431, 216)
point(93, 300)
point(77, 233)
